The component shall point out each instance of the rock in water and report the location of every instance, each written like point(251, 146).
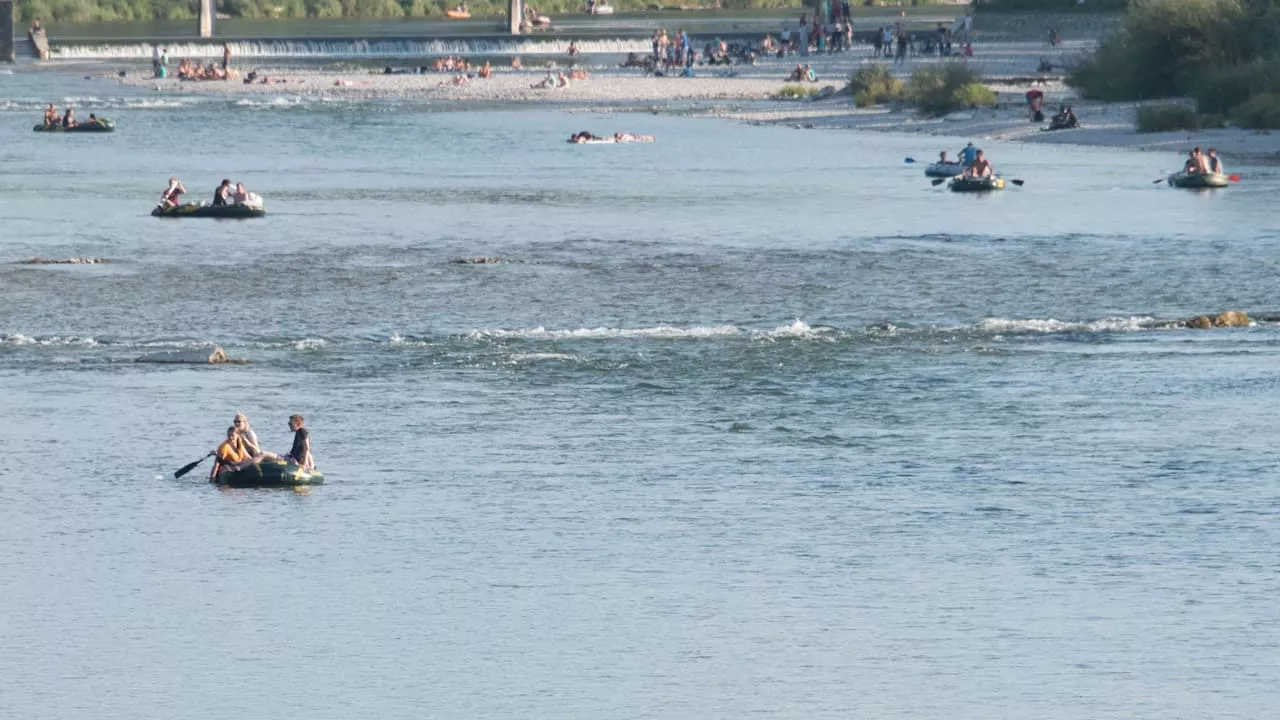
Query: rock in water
point(1230, 318)
point(214, 355)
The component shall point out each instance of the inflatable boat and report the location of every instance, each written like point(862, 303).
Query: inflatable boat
point(271, 473)
point(1198, 180)
point(976, 184)
point(98, 126)
point(210, 211)
point(939, 169)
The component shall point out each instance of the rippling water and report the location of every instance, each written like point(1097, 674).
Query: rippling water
point(750, 421)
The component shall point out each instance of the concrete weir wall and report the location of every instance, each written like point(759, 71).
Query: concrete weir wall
point(7, 19)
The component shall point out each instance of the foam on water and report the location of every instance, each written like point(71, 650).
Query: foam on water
point(345, 48)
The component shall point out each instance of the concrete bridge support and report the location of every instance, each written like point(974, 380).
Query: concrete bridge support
point(515, 16)
point(8, 17)
point(208, 11)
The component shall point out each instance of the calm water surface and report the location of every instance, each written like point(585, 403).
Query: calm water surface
point(748, 422)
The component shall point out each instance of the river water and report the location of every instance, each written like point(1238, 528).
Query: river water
point(751, 421)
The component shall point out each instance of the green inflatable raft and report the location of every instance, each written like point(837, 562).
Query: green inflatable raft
point(210, 211)
point(976, 184)
point(101, 125)
point(270, 473)
point(1198, 180)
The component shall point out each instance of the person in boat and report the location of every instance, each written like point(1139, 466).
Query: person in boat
point(1196, 162)
point(1215, 164)
point(69, 119)
point(248, 438)
point(582, 137)
point(50, 116)
point(222, 194)
point(93, 120)
point(979, 168)
point(169, 198)
point(230, 455)
point(300, 453)
point(968, 154)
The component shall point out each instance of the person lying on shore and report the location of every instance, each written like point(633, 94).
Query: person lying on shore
point(979, 169)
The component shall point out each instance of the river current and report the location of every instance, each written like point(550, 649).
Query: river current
point(749, 422)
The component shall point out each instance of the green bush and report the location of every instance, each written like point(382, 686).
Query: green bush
point(1165, 45)
point(935, 89)
point(1260, 111)
point(873, 85)
point(1165, 118)
point(974, 95)
point(796, 92)
point(1220, 89)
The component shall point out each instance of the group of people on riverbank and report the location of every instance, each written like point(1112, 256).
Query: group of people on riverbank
point(226, 193)
point(190, 69)
point(66, 120)
point(241, 447)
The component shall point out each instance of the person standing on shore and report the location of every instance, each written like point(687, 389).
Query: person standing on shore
point(226, 57)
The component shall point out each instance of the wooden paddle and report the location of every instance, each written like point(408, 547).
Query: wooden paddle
point(191, 466)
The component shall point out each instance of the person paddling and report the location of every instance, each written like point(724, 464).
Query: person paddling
point(969, 154)
point(69, 120)
point(169, 198)
point(980, 168)
point(222, 194)
point(230, 455)
point(50, 116)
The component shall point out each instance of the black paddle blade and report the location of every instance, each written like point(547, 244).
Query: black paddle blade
point(188, 467)
point(1157, 182)
point(1017, 182)
point(908, 160)
point(938, 181)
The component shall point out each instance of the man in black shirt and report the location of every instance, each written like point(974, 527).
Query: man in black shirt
point(301, 451)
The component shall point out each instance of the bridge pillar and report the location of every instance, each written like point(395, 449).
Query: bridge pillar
point(7, 18)
point(515, 16)
point(208, 11)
